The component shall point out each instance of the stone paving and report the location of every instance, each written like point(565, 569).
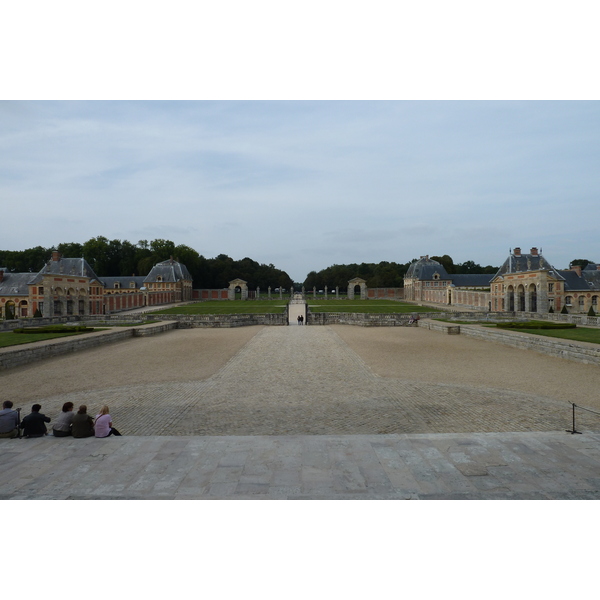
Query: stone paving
point(307, 380)
point(297, 414)
point(534, 466)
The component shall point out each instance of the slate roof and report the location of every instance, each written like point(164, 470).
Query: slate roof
point(169, 271)
point(425, 268)
point(472, 279)
point(587, 282)
point(77, 267)
point(109, 282)
point(15, 284)
point(593, 278)
point(524, 262)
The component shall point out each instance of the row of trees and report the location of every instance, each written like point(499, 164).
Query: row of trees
point(383, 274)
point(121, 258)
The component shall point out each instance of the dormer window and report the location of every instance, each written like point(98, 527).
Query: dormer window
point(436, 276)
point(117, 285)
point(159, 278)
point(132, 284)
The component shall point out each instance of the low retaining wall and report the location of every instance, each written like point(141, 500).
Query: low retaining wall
point(15, 356)
point(360, 319)
point(245, 320)
point(442, 327)
point(588, 354)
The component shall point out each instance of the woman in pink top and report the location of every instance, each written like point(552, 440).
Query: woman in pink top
point(103, 424)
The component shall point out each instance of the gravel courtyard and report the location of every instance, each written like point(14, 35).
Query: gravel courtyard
point(311, 380)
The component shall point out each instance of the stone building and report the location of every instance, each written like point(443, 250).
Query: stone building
point(426, 280)
point(529, 283)
point(69, 286)
point(526, 282)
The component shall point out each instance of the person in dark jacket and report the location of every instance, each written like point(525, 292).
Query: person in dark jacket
point(82, 425)
point(34, 424)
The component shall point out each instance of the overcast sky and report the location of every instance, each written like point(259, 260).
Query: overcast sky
point(307, 184)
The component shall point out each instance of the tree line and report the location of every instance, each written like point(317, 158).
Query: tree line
point(383, 274)
point(111, 258)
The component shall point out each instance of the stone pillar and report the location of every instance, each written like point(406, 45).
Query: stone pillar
point(269, 290)
point(542, 293)
point(48, 302)
point(337, 292)
point(303, 291)
point(281, 293)
point(325, 292)
point(257, 293)
point(314, 292)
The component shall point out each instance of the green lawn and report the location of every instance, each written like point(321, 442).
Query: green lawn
point(227, 307)
point(367, 306)
point(580, 334)
point(8, 338)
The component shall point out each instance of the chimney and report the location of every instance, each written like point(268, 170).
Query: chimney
point(577, 269)
point(517, 252)
point(56, 255)
point(2, 275)
point(534, 252)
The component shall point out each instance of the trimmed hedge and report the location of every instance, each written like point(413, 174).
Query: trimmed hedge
point(54, 329)
point(535, 325)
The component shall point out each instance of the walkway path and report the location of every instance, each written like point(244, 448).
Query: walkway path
point(299, 380)
point(248, 430)
point(445, 466)
point(297, 307)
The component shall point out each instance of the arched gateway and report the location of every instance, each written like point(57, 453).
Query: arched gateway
point(243, 285)
point(361, 283)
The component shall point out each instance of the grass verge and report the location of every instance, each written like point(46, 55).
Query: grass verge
point(9, 338)
point(367, 306)
point(226, 307)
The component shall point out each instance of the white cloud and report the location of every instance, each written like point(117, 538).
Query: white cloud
point(337, 181)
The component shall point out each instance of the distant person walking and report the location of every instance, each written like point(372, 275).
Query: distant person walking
point(103, 424)
point(34, 424)
point(301, 319)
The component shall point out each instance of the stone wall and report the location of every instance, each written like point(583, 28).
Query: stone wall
point(242, 320)
point(15, 356)
point(360, 319)
point(570, 350)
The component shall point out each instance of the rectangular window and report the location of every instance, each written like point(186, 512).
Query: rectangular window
point(550, 287)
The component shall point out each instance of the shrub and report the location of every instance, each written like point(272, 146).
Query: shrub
point(551, 310)
point(563, 310)
point(591, 312)
point(37, 314)
point(54, 329)
point(535, 325)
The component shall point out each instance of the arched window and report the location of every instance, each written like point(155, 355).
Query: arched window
point(568, 300)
